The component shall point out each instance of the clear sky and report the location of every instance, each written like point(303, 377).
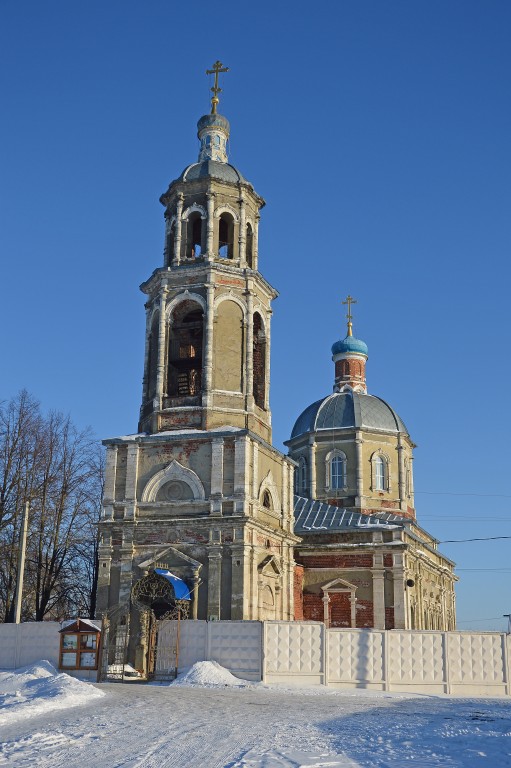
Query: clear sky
point(379, 135)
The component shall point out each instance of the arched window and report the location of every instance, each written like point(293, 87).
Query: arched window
point(194, 236)
point(301, 477)
point(267, 500)
point(185, 351)
point(249, 246)
point(335, 470)
point(259, 361)
point(226, 236)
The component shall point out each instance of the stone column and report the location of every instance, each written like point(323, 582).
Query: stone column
point(255, 470)
point(160, 374)
point(243, 230)
point(378, 597)
point(195, 593)
point(131, 480)
point(312, 464)
point(249, 351)
point(255, 242)
point(110, 474)
point(359, 470)
point(326, 611)
point(145, 378)
point(237, 582)
point(241, 474)
point(267, 364)
point(398, 578)
point(284, 497)
point(208, 342)
point(353, 610)
point(217, 466)
point(214, 582)
point(401, 472)
point(210, 197)
point(179, 230)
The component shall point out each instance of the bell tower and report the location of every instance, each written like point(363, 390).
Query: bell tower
point(208, 307)
point(200, 492)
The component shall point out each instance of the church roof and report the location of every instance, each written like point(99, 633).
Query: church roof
point(350, 344)
point(344, 410)
point(212, 169)
point(315, 516)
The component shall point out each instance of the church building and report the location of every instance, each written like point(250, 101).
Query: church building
point(201, 513)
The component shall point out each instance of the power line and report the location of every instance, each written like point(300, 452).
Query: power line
point(454, 493)
point(473, 621)
point(485, 538)
point(496, 570)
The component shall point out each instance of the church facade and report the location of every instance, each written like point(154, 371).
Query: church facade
point(199, 504)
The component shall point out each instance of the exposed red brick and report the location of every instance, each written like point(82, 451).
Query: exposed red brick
point(332, 560)
point(298, 593)
point(389, 618)
point(387, 561)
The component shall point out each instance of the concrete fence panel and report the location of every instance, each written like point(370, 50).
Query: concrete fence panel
point(355, 658)
point(23, 644)
point(294, 652)
point(478, 663)
point(236, 645)
point(416, 660)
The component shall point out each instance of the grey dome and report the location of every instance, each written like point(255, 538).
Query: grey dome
point(212, 169)
point(344, 410)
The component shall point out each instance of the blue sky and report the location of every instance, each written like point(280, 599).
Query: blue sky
point(378, 133)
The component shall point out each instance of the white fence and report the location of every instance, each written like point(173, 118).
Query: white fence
point(236, 645)
point(306, 653)
point(23, 644)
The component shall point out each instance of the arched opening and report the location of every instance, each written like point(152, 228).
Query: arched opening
point(194, 236)
point(152, 357)
point(170, 244)
point(267, 500)
point(185, 351)
point(259, 361)
point(249, 246)
point(226, 236)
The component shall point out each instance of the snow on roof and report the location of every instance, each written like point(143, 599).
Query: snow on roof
point(312, 515)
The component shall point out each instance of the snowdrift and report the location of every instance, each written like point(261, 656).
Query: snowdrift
point(209, 674)
point(40, 689)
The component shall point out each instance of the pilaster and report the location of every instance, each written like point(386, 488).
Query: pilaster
point(179, 230)
point(378, 574)
point(214, 582)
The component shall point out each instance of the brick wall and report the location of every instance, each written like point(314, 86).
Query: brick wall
point(298, 592)
point(389, 618)
point(336, 561)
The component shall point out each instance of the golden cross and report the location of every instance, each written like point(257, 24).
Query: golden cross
point(217, 68)
point(349, 301)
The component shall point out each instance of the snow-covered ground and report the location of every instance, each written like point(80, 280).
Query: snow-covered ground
point(208, 719)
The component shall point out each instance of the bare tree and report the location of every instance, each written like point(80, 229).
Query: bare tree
point(47, 461)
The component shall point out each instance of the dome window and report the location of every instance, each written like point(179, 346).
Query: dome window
point(380, 472)
point(336, 466)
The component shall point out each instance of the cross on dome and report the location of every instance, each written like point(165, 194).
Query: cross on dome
point(215, 70)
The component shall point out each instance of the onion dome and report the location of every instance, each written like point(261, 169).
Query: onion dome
point(350, 344)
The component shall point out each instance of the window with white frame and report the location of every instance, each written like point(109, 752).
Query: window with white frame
point(380, 472)
point(335, 470)
point(338, 472)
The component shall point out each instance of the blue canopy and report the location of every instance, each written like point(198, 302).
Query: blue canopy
point(181, 591)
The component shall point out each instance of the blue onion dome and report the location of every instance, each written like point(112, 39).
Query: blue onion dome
point(213, 121)
point(350, 344)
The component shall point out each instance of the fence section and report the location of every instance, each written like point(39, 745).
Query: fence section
point(23, 644)
point(236, 645)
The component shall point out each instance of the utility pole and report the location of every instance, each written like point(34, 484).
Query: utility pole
point(21, 564)
point(508, 617)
